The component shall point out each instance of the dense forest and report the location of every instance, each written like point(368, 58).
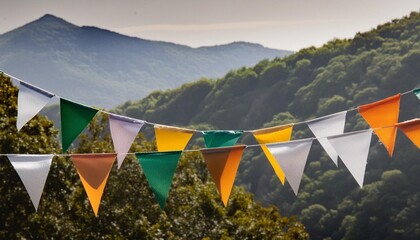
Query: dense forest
point(342, 74)
point(128, 208)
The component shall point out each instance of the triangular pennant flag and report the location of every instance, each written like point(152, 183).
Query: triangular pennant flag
point(326, 126)
point(223, 164)
point(33, 171)
point(292, 157)
point(221, 138)
point(412, 130)
point(93, 170)
point(74, 118)
point(382, 117)
point(273, 135)
point(159, 169)
point(30, 101)
point(172, 138)
point(123, 131)
point(353, 149)
point(417, 92)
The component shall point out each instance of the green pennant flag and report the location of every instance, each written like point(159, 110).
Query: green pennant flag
point(159, 169)
point(74, 118)
point(221, 138)
point(417, 92)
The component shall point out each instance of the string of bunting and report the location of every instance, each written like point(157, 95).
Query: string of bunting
point(221, 154)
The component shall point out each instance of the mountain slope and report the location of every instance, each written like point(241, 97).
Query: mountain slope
point(312, 82)
point(315, 82)
point(100, 67)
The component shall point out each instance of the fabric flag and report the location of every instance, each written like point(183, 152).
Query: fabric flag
point(33, 171)
point(328, 126)
point(172, 138)
point(411, 129)
point(74, 118)
point(292, 157)
point(30, 101)
point(159, 169)
point(123, 131)
point(221, 138)
point(417, 92)
point(273, 135)
point(223, 164)
point(353, 149)
point(93, 170)
point(382, 117)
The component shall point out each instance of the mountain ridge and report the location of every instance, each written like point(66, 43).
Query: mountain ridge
point(100, 67)
point(267, 81)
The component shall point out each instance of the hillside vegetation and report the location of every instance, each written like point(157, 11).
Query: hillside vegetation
point(314, 82)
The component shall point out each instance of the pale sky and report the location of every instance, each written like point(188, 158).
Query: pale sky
point(281, 24)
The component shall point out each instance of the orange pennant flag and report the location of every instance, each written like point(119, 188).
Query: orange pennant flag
point(411, 129)
point(93, 170)
point(223, 164)
point(382, 117)
point(172, 138)
point(274, 135)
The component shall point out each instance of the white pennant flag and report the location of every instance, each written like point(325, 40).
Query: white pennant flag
point(30, 101)
point(353, 149)
point(33, 171)
point(123, 131)
point(326, 126)
point(292, 156)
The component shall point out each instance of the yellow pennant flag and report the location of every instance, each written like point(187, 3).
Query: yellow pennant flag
point(382, 117)
point(93, 170)
point(411, 129)
point(172, 138)
point(223, 164)
point(274, 135)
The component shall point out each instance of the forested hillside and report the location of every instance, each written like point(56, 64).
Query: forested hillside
point(314, 82)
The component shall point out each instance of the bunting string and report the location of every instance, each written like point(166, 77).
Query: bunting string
point(200, 149)
point(413, 91)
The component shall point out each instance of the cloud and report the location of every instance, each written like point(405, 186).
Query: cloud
point(200, 27)
point(205, 27)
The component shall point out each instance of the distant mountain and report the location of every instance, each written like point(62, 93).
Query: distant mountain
point(311, 83)
point(104, 68)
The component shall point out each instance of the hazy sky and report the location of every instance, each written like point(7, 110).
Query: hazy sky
point(282, 24)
